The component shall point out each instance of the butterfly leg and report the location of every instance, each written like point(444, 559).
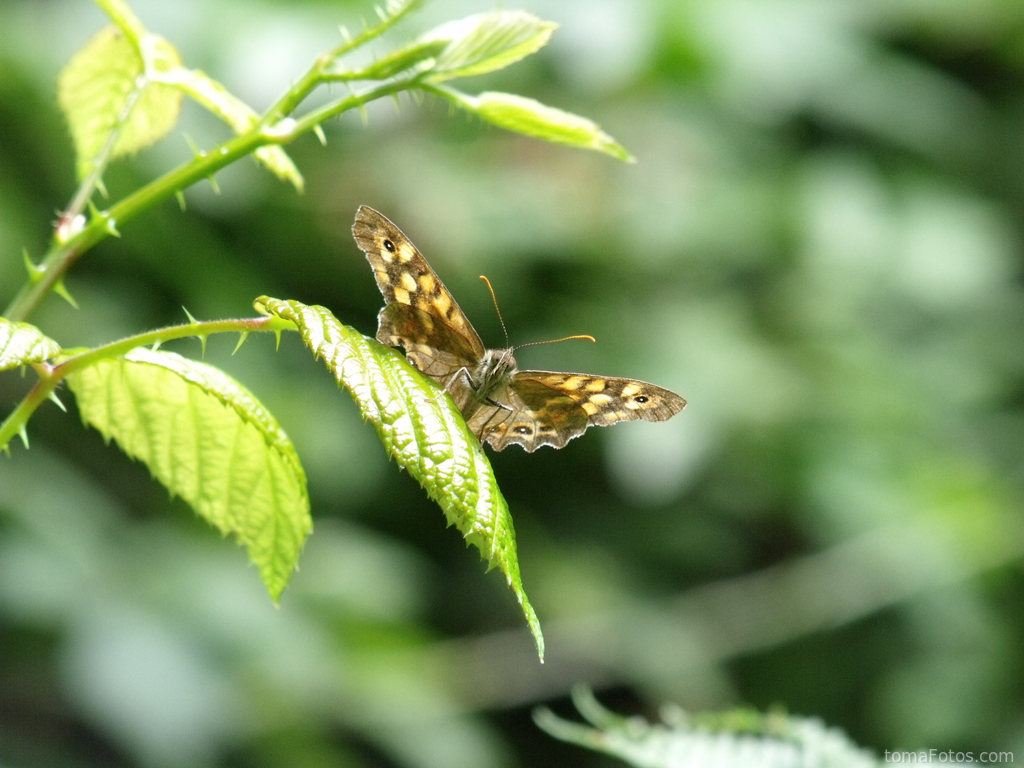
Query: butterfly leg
point(448, 385)
point(502, 406)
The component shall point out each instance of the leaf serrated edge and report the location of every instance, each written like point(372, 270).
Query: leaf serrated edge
point(502, 551)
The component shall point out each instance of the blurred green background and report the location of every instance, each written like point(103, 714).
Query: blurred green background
point(819, 247)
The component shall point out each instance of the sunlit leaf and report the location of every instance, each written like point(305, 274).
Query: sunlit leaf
point(531, 118)
point(742, 738)
point(22, 343)
point(486, 42)
point(94, 91)
point(206, 438)
point(424, 432)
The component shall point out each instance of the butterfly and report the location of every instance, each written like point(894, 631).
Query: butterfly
point(501, 404)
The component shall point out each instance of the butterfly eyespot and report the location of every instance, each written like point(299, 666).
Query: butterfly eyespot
point(389, 245)
point(641, 399)
point(521, 430)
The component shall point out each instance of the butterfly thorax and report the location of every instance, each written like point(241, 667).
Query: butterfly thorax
point(491, 374)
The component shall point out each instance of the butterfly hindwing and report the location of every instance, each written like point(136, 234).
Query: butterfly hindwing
point(529, 413)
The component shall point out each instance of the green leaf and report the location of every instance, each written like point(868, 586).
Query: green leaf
point(208, 439)
point(423, 430)
point(237, 114)
point(486, 42)
point(740, 737)
point(531, 118)
point(95, 88)
point(22, 344)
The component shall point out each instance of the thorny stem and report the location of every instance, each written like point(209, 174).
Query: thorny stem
point(275, 127)
point(52, 375)
point(63, 254)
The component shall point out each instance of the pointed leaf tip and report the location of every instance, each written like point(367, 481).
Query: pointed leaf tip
point(486, 42)
point(531, 118)
point(208, 440)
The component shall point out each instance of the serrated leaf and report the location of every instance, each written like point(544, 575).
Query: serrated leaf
point(94, 88)
point(531, 118)
point(742, 738)
point(210, 441)
point(486, 42)
point(237, 114)
point(423, 430)
point(23, 344)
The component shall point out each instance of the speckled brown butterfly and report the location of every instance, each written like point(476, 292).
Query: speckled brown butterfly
point(500, 403)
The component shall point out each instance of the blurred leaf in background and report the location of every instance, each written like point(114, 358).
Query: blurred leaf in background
point(819, 247)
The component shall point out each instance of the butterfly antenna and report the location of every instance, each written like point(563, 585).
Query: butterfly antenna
point(552, 341)
point(531, 343)
point(496, 309)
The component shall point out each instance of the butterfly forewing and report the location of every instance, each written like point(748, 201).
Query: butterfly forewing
point(501, 405)
point(404, 277)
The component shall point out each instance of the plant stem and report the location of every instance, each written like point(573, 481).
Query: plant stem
point(63, 254)
point(51, 375)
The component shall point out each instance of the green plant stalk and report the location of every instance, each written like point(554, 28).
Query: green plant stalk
point(100, 162)
point(63, 254)
point(50, 376)
point(316, 75)
point(123, 16)
point(273, 128)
